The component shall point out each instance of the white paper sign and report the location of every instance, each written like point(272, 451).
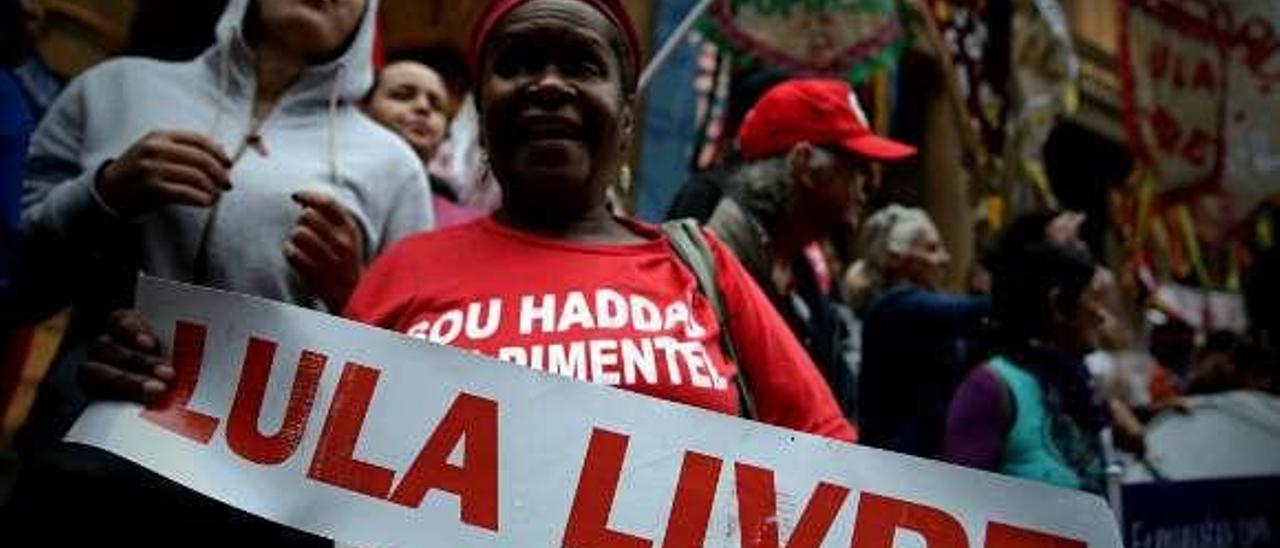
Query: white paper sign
point(378, 439)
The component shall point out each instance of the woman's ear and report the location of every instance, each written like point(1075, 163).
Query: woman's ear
point(800, 164)
point(627, 123)
point(1058, 310)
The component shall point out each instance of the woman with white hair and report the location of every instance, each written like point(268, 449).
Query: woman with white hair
point(913, 335)
point(896, 244)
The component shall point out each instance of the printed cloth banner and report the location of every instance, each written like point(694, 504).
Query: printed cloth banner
point(1200, 85)
point(378, 439)
point(837, 38)
point(1252, 165)
point(1175, 86)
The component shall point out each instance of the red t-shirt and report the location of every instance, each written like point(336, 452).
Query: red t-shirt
point(629, 316)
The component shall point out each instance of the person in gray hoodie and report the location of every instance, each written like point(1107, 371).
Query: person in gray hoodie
point(249, 169)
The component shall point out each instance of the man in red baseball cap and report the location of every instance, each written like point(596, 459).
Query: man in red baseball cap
point(819, 127)
point(816, 111)
point(808, 154)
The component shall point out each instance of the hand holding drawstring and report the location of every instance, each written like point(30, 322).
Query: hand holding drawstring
point(165, 167)
point(326, 248)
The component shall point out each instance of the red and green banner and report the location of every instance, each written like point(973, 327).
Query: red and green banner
point(839, 38)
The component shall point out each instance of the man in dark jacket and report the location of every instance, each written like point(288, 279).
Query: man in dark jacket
point(808, 151)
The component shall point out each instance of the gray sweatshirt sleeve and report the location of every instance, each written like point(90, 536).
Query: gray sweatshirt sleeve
point(65, 226)
point(58, 199)
point(411, 211)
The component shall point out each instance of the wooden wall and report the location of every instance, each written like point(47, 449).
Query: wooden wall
point(418, 22)
point(84, 32)
point(80, 33)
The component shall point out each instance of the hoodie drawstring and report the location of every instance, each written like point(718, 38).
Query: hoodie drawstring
point(200, 270)
point(335, 87)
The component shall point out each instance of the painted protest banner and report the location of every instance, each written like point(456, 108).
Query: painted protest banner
point(379, 439)
point(1174, 76)
point(1252, 165)
point(1200, 86)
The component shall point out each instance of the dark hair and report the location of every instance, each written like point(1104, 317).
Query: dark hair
point(447, 60)
point(1257, 365)
point(1172, 343)
point(1024, 279)
point(1023, 231)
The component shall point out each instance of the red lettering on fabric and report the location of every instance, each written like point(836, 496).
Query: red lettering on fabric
point(1204, 79)
point(588, 525)
point(334, 462)
point(1168, 132)
point(1198, 146)
point(695, 495)
point(1000, 535)
point(472, 420)
point(758, 510)
point(172, 413)
point(879, 518)
point(243, 434)
point(1158, 60)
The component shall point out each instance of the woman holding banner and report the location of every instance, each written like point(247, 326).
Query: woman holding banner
point(553, 280)
point(598, 298)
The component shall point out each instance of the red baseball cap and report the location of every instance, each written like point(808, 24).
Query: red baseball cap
point(817, 111)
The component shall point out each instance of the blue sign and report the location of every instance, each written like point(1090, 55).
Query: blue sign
point(1225, 513)
point(670, 124)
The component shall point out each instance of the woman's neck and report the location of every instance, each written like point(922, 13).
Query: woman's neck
point(277, 68)
point(596, 225)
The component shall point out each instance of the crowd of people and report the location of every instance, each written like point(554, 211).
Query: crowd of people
point(282, 163)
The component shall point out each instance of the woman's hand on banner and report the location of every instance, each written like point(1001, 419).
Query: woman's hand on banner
point(126, 362)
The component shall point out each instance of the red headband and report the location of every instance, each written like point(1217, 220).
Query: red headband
point(611, 9)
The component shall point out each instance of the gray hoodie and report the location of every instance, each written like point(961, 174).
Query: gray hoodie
point(314, 139)
point(76, 251)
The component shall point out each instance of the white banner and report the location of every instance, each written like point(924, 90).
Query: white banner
point(378, 439)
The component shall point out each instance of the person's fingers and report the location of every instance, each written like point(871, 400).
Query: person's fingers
point(326, 205)
point(337, 237)
point(177, 173)
point(305, 263)
point(176, 193)
point(196, 157)
point(314, 246)
point(127, 326)
point(316, 221)
point(202, 142)
point(105, 381)
point(331, 220)
point(107, 350)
